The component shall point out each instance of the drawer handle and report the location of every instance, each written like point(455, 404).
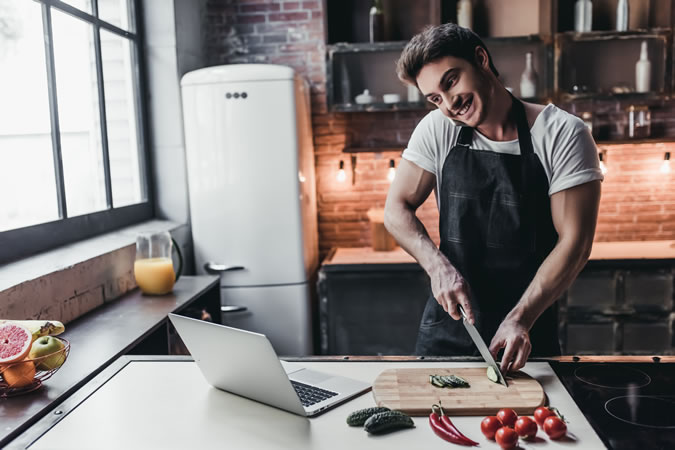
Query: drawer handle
point(215, 268)
point(233, 308)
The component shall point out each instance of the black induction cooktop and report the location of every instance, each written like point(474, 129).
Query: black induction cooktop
point(630, 405)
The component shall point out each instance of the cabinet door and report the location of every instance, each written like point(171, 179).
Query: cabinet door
point(371, 313)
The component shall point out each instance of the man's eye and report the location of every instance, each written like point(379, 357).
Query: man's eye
point(449, 83)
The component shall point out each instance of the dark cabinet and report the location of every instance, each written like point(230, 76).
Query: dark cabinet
point(619, 307)
point(370, 309)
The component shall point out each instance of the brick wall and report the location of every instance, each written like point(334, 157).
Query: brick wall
point(638, 202)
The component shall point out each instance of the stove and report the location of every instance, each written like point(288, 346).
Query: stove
point(630, 405)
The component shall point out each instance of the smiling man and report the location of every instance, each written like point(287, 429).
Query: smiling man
point(517, 186)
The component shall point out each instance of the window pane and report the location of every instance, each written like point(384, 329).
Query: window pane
point(77, 95)
point(115, 12)
point(84, 5)
point(27, 184)
point(121, 118)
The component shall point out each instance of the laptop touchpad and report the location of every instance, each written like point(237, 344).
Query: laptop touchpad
point(310, 376)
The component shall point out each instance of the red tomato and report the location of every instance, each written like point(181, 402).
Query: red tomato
point(554, 427)
point(541, 413)
point(526, 427)
point(506, 437)
point(489, 426)
point(507, 417)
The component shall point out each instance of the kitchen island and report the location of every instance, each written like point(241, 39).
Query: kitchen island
point(164, 402)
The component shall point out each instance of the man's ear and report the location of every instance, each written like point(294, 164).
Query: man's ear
point(482, 58)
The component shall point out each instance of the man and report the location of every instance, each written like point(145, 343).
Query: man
point(518, 188)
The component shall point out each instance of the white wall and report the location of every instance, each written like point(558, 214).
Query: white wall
point(173, 46)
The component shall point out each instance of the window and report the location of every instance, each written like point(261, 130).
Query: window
point(72, 151)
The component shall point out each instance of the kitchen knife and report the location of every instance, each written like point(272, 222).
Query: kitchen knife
point(482, 348)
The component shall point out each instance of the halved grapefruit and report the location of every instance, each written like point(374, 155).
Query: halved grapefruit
point(15, 342)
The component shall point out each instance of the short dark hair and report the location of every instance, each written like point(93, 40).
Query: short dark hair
point(435, 42)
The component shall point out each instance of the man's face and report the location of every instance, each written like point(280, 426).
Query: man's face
point(461, 90)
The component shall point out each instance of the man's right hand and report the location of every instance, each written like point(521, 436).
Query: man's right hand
point(450, 289)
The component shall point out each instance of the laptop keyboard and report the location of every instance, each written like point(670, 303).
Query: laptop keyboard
point(310, 395)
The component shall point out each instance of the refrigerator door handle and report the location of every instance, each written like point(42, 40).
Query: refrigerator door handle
point(215, 268)
point(233, 308)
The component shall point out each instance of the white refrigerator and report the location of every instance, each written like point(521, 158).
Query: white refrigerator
point(250, 164)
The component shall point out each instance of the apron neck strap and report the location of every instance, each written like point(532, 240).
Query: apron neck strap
point(524, 138)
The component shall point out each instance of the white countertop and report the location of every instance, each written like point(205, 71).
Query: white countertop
point(168, 404)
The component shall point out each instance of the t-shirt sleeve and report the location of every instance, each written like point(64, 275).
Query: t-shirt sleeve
point(422, 146)
point(575, 161)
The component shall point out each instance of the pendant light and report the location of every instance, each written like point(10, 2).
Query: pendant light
point(392, 170)
point(341, 175)
point(665, 165)
point(603, 167)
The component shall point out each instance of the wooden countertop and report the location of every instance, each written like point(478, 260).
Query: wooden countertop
point(602, 251)
point(97, 339)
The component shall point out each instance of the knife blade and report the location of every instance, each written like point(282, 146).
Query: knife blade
point(482, 348)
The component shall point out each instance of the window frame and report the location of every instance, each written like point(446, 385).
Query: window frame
point(26, 241)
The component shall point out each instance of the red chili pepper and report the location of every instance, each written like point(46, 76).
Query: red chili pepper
point(435, 420)
point(445, 420)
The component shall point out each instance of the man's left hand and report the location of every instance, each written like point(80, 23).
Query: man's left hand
point(514, 338)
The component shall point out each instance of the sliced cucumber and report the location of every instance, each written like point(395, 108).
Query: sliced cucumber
point(437, 381)
point(458, 381)
point(492, 374)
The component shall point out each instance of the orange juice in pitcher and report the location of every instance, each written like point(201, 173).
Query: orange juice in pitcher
point(153, 267)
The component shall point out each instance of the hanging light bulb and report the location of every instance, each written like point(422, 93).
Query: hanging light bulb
point(665, 165)
point(603, 167)
point(341, 175)
point(392, 170)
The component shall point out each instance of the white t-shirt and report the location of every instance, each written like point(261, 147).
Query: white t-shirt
point(561, 140)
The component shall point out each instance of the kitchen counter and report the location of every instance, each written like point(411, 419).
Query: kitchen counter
point(602, 251)
point(98, 338)
point(164, 402)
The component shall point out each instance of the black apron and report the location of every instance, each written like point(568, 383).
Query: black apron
point(496, 229)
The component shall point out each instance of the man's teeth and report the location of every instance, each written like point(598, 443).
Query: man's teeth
point(464, 109)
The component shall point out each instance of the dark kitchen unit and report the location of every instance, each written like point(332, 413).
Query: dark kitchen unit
point(629, 404)
point(621, 303)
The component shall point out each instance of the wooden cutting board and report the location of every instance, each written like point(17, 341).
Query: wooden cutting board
point(409, 391)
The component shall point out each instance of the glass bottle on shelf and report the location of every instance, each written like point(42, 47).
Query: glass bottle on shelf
point(622, 14)
point(465, 14)
point(643, 70)
point(376, 22)
point(528, 79)
point(639, 121)
point(583, 16)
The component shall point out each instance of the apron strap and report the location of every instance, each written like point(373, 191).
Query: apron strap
point(465, 136)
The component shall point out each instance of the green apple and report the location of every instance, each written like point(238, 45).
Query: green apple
point(46, 345)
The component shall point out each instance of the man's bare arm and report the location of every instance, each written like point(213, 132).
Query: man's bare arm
point(410, 188)
point(575, 213)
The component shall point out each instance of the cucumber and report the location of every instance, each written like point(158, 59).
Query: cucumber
point(458, 381)
point(492, 374)
point(388, 421)
point(358, 418)
point(451, 381)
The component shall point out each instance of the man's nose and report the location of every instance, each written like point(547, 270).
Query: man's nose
point(450, 102)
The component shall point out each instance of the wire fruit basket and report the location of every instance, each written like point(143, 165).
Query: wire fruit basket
point(27, 375)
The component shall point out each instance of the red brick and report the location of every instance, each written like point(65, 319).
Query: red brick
point(291, 5)
point(251, 18)
point(310, 5)
point(288, 17)
point(259, 7)
point(639, 208)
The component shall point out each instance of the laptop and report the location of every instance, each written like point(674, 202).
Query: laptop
point(244, 363)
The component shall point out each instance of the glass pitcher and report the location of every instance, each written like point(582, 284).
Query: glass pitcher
point(153, 267)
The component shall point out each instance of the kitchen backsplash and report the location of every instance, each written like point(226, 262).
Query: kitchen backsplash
point(638, 201)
